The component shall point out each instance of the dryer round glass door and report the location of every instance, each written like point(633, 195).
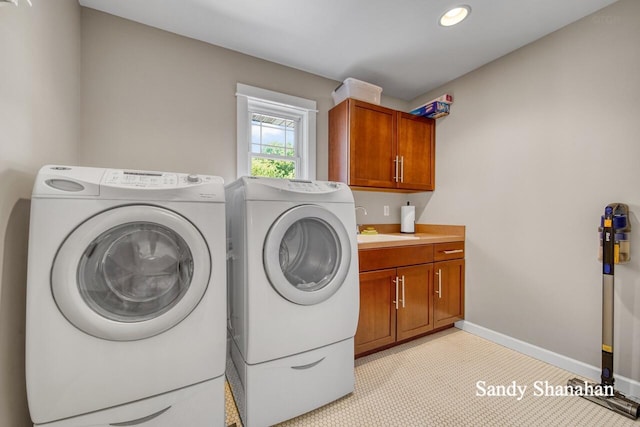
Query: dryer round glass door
point(307, 254)
point(131, 272)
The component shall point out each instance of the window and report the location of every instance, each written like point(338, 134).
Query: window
point(276, 134)
point(274, 151)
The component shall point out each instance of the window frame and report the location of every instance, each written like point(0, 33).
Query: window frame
point(251, 100)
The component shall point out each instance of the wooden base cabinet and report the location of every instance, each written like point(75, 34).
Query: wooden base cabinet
point(448, 283)
point(377, 320)
point(395, 304)
point(449, 292)
point(414, 308)
point(404, 294)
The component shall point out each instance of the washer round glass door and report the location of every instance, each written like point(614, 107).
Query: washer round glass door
point(307, 254)
point(130, 272)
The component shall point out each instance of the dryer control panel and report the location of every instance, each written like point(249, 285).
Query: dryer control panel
point(292, 190)
point(296, 185)
point(311, 186)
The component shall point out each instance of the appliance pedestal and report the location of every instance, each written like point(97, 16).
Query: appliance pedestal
point(275, 391)
point(197, 405)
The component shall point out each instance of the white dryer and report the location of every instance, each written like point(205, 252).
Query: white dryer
point(126, 296)
point(293, 293)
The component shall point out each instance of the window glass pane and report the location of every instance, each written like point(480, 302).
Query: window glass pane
point(291, 141)
point(273, 168)
point(256, 137)
point(272, 135)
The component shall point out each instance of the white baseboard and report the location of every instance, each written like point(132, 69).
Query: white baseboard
point(624, 385)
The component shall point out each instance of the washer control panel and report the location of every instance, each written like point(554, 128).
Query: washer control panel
point(142, 179)
point(126, 184)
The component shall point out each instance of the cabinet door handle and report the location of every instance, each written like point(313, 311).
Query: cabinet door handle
point(395, 162)
point(402, 291)
point(396, 280)
point(401, 168)
point(453, 251)
point(439, 291)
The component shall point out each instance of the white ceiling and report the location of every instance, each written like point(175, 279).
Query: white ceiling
point(397, 45)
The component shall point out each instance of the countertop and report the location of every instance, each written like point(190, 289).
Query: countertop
point(425, 233)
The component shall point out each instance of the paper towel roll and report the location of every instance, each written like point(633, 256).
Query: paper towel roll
point(408, 219)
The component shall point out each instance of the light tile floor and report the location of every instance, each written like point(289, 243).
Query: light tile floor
point(432, 381)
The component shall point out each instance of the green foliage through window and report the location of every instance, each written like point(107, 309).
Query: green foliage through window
point(261, 166)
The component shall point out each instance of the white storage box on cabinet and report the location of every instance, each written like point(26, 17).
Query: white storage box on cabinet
point(353, 88)
point(278, 390)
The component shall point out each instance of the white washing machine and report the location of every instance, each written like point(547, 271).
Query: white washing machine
point(293, 295)
point(126, 298)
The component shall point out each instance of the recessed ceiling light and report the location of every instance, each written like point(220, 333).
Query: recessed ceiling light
point(455, 16)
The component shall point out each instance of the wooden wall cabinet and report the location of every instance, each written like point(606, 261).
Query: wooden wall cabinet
point(373, 147)
point(405, 294)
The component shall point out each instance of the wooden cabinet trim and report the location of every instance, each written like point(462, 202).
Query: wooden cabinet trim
point(447, 251)
point(378, 258)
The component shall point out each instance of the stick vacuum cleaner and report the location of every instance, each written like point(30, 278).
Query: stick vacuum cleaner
point(614, 231)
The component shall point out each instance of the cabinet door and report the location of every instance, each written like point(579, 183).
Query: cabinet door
point(416, 149)
point(415, 312)
point(448, 292)
point(377, 320)
point(371, 145)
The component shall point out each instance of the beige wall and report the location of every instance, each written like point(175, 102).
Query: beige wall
point(39, 123)
point(537, 144)
point(520, 157)
point(156, 100)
